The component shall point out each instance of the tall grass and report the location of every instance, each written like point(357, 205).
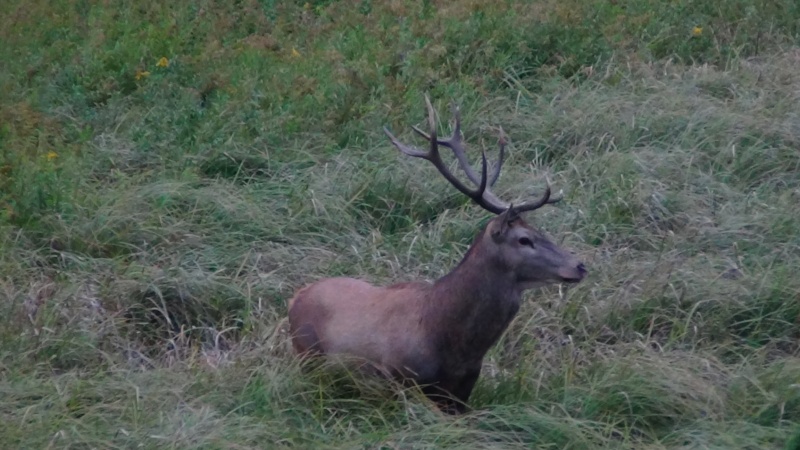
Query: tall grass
point(171, 173)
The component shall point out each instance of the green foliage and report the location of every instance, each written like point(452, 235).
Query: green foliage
point(170, 173)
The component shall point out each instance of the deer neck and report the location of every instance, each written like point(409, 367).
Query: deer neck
point(470, 307)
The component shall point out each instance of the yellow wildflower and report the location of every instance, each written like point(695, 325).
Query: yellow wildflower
point(295, 53)
point(163, 62)
point(141, 74)
point(51, 155)
point(697, 31)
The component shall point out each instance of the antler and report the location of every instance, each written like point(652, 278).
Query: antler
point(482, 195)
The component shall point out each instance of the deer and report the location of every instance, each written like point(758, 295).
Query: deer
point(436, 334)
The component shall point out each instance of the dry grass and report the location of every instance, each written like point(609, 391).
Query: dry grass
point(152, 229)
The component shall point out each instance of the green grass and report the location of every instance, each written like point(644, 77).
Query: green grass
point(155, 219)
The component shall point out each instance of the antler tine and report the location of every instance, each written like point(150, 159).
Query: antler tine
point(543, 200)
point(455, 144)
point(408, 150)
point(433, 155)
point(413, 151)
point(501, 155)
point(482, 187)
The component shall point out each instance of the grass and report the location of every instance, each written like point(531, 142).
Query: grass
point(157, 215)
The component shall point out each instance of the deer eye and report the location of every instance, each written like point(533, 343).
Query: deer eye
point(526, 242)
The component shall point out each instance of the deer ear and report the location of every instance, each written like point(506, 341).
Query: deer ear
point(503, 223)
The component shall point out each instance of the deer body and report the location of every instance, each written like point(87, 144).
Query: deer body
point(436, 334)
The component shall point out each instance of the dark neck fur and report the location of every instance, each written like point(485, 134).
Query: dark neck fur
point(470, 307)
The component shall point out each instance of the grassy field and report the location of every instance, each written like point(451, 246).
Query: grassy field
point(170, 172)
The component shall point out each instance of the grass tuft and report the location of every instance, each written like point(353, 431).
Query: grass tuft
point(170, 174)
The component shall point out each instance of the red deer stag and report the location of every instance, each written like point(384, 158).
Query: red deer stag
point(436, 334)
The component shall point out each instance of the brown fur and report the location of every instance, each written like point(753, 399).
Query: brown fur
point(435, 334)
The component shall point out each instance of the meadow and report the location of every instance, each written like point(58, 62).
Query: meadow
point(171, 172)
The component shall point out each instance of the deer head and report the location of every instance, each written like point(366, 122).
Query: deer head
point(508, 242)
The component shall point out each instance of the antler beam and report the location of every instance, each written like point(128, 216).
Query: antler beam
point(481, 195)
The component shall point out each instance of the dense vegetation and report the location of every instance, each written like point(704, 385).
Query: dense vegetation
point(170, 172)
